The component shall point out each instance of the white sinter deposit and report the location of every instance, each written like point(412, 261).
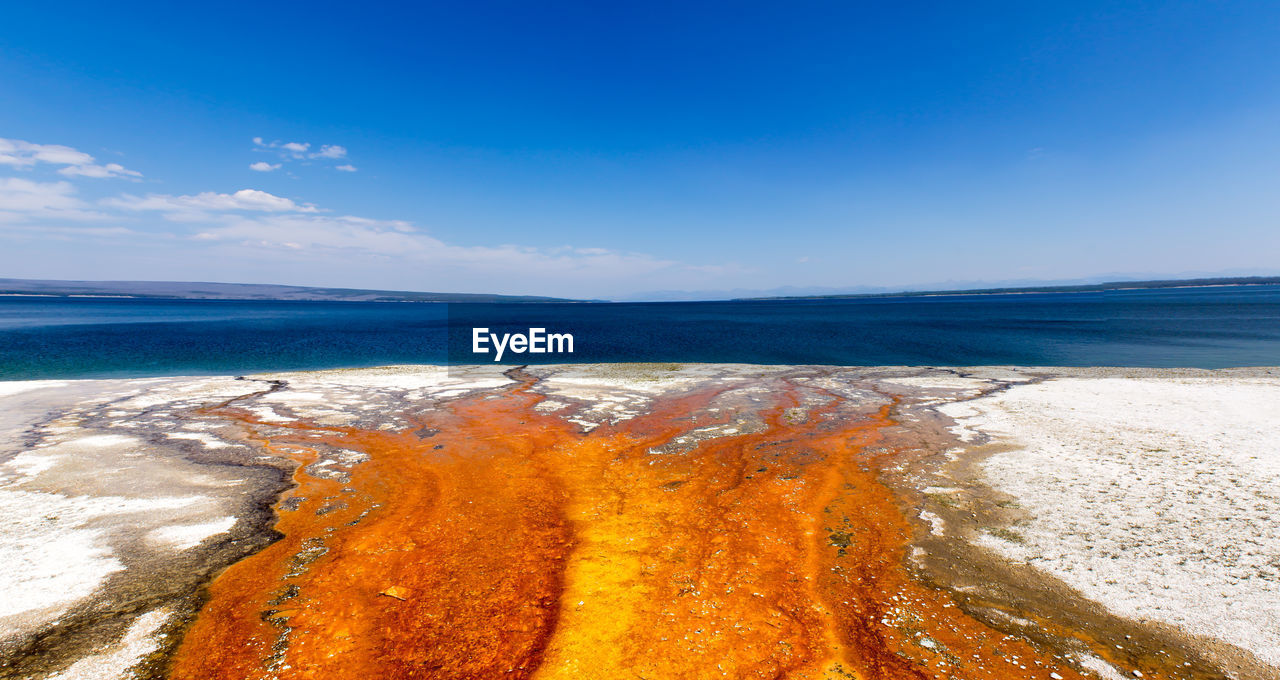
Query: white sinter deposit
point(1157, 497)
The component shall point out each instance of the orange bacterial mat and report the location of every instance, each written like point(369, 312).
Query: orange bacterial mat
point(500, 541)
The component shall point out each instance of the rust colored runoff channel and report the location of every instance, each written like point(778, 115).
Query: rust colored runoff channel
point(510, 544)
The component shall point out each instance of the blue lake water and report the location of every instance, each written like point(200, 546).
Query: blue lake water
point(1193, 327)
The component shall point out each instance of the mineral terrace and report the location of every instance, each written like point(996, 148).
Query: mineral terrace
point(643, 521)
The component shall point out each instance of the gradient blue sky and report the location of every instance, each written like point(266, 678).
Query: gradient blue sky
point(602, 150)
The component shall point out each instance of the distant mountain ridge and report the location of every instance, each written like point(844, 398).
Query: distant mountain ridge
point(949, 286)
point(197, 290)
point(1069, 288)
point(187, 290)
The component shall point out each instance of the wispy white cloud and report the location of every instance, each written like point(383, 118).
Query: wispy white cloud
point(23, 195)
point(202, 205)
point(352, 239)
point(63, 233)
point(299, 151)
point(26, 200)
point(316, 232)
point(255, 228)
point(90, 231)
point(287, 150)
point(22, 154)
point(100, 171)
point(330, 151)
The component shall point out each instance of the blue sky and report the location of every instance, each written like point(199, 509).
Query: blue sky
point(607, 151)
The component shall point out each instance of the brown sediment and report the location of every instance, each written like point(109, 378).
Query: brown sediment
point(494, 541)
point(1033, 604)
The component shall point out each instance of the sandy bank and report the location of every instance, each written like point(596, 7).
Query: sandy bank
point(1154, 494)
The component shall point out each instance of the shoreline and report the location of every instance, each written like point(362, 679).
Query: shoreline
point(172, 424)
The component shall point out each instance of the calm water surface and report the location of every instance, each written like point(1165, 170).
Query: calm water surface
point(99, 337)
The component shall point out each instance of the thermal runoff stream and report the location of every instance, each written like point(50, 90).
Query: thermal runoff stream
point(711, 536)
point(653, 521)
